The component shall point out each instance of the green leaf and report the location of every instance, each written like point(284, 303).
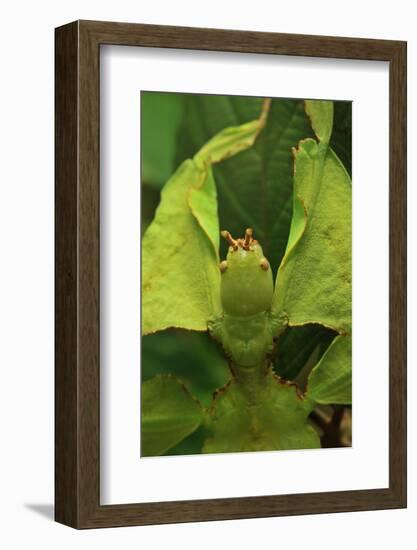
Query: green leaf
point(161, 114)
point(276, 418)
point(321, 116)
point(255, 187)
point(180, 274)
point(314, 279)
point(330, 382)
point(169, 414)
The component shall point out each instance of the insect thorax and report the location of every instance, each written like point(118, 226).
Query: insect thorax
point(247, 340)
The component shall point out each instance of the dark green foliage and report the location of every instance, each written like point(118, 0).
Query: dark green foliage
point(296, 346)
point(341, 141)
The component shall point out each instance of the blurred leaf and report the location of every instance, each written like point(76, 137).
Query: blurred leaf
point(161, 113)
point(330, 382)
point(191, 356)
point(314, 279)
point(169, 414)
point(296, 345)
point(180, 273)
point(254, 187)
point(341, 141)
point(277, 418)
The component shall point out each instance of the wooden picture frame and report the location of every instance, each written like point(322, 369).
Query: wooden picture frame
point(77, 374)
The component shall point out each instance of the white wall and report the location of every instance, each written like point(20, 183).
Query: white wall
point(26, 272)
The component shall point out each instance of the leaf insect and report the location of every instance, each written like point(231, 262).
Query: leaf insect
point(236, 301)
point(246, 292)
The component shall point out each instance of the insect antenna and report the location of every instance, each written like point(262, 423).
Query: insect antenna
point(248, 238)
point(233, 243)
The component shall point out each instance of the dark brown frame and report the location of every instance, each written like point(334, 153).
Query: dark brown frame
point(77, 372)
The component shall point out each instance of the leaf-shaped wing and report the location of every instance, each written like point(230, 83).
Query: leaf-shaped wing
point(169, 414)
point(179, 267)
point(180, 275)
point(314, 279)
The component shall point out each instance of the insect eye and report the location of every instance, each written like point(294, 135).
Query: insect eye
point(223, 266)
point(264, 264)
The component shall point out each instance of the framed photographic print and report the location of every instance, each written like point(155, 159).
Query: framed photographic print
point(230, 274)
